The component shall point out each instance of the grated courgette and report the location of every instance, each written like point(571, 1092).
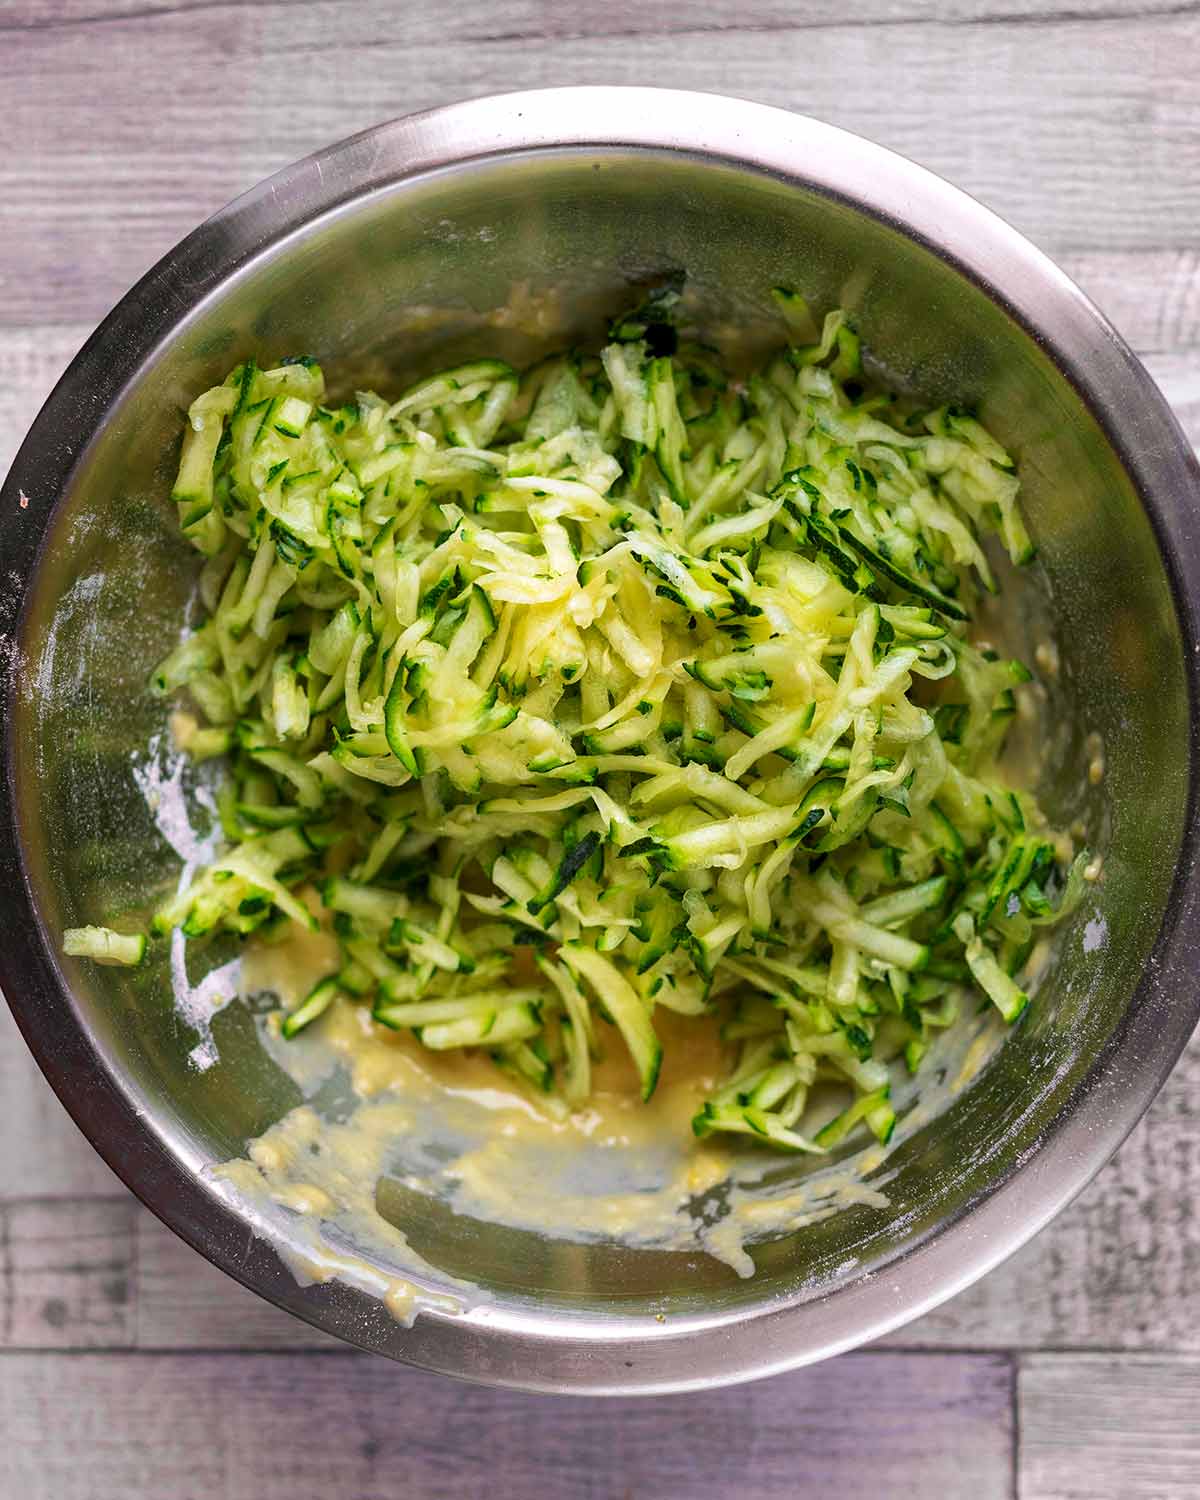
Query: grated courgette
point(661, 674)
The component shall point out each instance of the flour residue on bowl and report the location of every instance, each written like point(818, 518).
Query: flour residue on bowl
point(1095, 935)
point(159, 775)
point(49, 680)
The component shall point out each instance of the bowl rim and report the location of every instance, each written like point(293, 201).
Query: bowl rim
point(615, 1354)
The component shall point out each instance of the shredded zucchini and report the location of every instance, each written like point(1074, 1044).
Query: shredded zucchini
point(662, 674)
point(104, 945)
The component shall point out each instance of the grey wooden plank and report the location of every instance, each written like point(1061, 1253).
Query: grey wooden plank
point(1153, 296)
point(548, 19)
point(1021, 114)
point(42, 1153)
point(274, 1427)
point(185, 1303)
point(1095, 1428)
point(1178, 377)
point(31, 360)
point(1118, 1269)
point(67, 1273)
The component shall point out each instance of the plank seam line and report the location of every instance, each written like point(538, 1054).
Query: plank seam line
point(67, 1200)
point(1065, 16)
point(1014, 1397)
point(1061, 17)
point(142, 13)
point(7, 1276)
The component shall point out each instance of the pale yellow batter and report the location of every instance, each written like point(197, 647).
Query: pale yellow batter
point(617, 1169)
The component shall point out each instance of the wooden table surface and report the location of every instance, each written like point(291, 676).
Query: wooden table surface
point(128, 1366)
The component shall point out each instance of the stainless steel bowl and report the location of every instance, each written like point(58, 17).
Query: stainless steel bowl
point(393, 251)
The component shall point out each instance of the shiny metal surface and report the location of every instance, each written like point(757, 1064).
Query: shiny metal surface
point(515, 223)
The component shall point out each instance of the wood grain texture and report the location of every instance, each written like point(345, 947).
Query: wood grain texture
point(183, 1302)
point(279, 1427)
point(195, 111)
point(67, 1276)
point(1109, 1429)
point(546, 19)
point(1178, 377)
point(31, 360)
point(42, 1153)
point(1119, 1269)
point(1152, 296)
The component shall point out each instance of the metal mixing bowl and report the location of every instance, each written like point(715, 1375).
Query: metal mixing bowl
point(391, 253)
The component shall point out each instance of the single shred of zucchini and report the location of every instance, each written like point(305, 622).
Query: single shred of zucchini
point(315, 1003)
point(104, 945)
point(617, 683)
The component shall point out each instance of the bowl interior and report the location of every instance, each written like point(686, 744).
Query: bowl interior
point(519, 254)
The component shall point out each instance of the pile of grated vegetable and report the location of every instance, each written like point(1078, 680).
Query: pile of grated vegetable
point(659, 674)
